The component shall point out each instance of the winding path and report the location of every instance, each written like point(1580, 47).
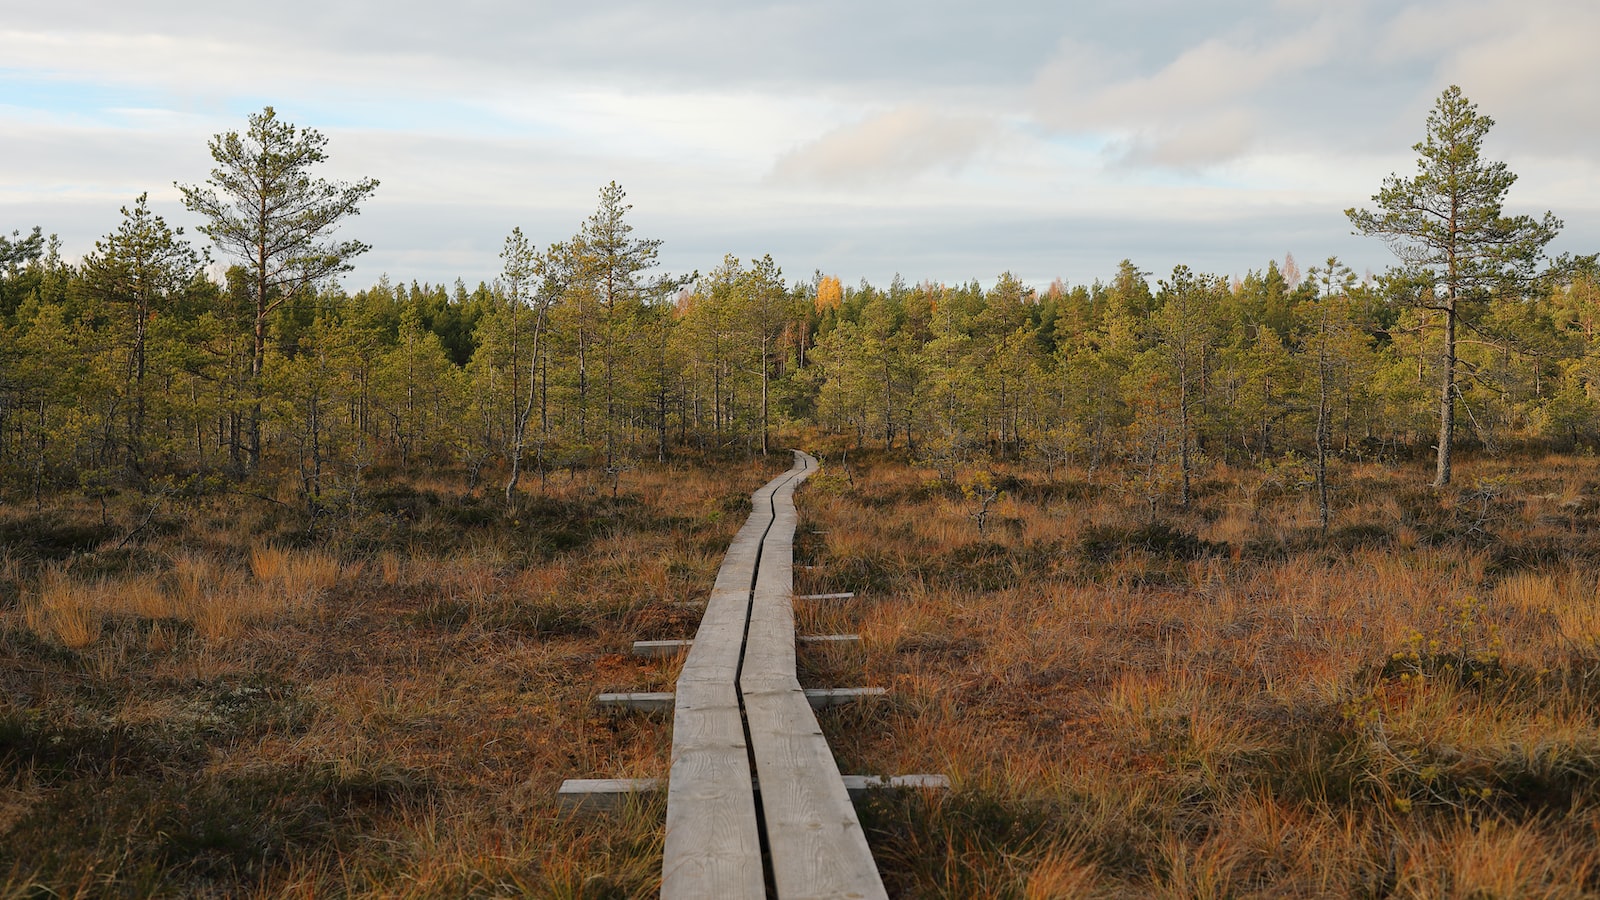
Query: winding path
point(740, 716)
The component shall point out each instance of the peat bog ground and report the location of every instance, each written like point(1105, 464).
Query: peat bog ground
point(218, 695)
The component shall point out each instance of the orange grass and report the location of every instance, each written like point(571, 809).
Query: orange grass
point(385, 714)
point(1226, 705)
point(1241, 721)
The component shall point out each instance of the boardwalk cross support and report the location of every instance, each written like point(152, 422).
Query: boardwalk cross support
point(658, 649)
point(608, 795)
point(662, 701)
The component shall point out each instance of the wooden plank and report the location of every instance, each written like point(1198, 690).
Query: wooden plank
point(589, 796)
point(712, 846)
point(858, 786)
point(841, 595)
point(667, 649)
point(829, 640)
point(660, 649)
point(662, 701)
point(769, 651)
point(642, 701)
point(815, 841)
point(817, 846)
point(605, 795)
point(822, 698)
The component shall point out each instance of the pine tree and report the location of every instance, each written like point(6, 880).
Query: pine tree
point(264, 208)
point(1455, 246)
point(143, 265)
point(1185, 335)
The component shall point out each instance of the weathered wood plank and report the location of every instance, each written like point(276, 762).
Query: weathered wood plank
point(817, 846)
point(636, 701)
point(858, 786)
point(660, 649)
point(823, 698)
point(663, 701)
point(602, 795)
point(712, 849)
point(839, 595)
point(814, 838)
point(667, 649)
point(588, 796)
point(712, 846)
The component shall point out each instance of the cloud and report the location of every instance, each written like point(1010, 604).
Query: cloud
point(1191, 145)
point(1215, 72)
point(834, 45)
point(760, 125)
point(895, 146)
point(1201, 107)
point(1535, 74)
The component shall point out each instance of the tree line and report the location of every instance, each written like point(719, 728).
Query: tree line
point(134, 368)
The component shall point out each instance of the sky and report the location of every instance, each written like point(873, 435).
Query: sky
point(940, 141)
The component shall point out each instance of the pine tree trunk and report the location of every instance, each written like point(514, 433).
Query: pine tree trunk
point(1323, 427)
point(763, 395)
point(258, 359)
point(1447, 400)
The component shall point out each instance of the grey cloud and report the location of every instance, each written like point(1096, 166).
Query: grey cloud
point(1166, 85)
point(980, 244)
point(892, 48)
point(1352, 78)
point(1536, 76)
point(697, 43)
point(439, 242)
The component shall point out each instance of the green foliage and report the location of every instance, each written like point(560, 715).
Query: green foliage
point(136, 367)
point(263, 207)
point(17, 251)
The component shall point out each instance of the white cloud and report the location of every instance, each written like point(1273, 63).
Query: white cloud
point(941, 139)
point(208, 70)
point(894, 146)
point(1193, 144)
point(1216, 72)
point(1201, 108)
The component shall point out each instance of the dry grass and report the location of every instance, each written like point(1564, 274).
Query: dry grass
point(1218, 703)
point(216, 600)
point(383, 709)
point(1223, 703)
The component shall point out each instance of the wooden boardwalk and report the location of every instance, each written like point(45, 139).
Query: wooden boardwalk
point(740, 714)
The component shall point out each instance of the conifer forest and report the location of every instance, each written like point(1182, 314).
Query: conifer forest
point(136, 369)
